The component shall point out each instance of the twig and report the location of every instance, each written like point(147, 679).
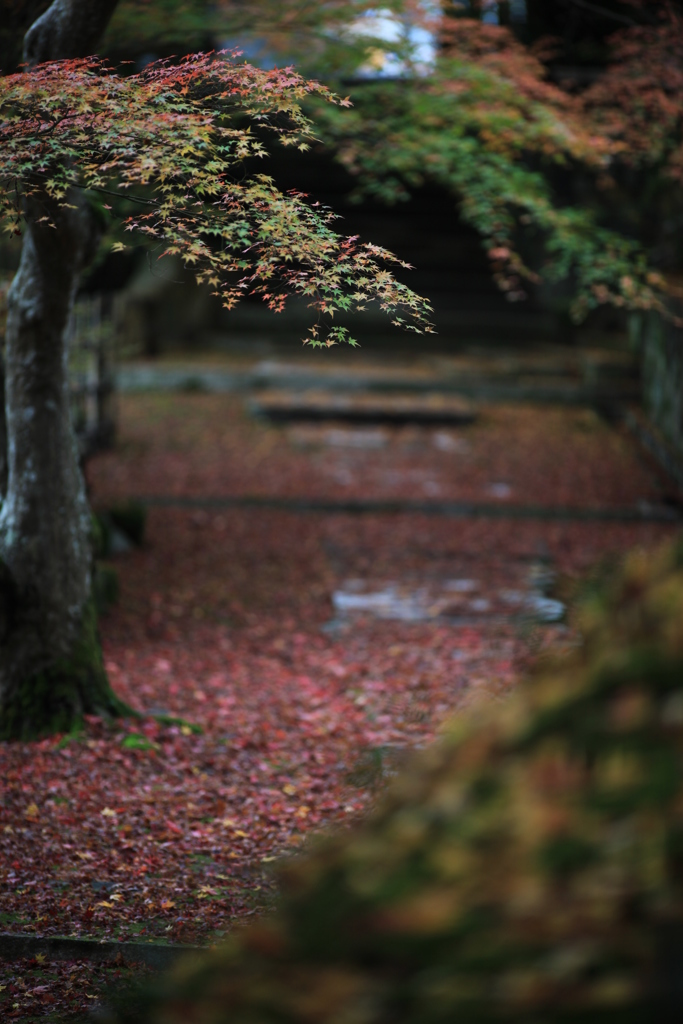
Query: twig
point(117, 195)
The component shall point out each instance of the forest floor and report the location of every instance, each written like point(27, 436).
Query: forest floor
point(304, 652)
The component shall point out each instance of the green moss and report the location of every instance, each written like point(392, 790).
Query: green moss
point(55, 699)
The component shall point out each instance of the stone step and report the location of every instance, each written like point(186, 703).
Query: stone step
point(363, 407)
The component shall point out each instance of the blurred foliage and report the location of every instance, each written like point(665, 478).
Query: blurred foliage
point(272, 33)
point(638, 105)
point(545, 174)
point(488, 126)
point(574, 189)
point(528, 867)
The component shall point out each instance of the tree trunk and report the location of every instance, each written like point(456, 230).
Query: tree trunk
point(3, 431)
point(51, 670)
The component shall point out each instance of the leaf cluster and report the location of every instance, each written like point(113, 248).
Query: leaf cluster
point(542, 174)
point(638, 102)
point(174, 141)
point(489, 128)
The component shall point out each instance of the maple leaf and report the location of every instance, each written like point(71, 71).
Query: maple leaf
point(111, 134)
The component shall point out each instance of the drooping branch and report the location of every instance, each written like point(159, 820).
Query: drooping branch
point(106, 134)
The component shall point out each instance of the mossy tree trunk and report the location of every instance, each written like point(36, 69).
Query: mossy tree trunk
point(51, 670)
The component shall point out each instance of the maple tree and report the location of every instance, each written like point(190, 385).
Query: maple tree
point(637, 104)
point(489, 127)
point(170, 139)
point(483, 121)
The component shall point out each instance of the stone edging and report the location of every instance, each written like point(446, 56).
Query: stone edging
point(645, 513)
point(158, 957)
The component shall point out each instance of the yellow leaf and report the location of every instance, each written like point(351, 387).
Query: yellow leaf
point(103, 903)
point(228, 822)
point(185, 730)
point(108, 813)
point(289, 789)
point(239, 832)
point(32, 811)
point(167, 904)
point(41, 958)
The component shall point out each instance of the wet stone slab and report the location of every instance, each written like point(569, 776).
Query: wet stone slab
point(457, 600)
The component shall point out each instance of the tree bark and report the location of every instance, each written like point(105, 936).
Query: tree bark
point(51, 670)
point(3, 431)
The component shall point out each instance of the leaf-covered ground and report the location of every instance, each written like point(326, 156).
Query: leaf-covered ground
point(42, 990)
point(153, 831)
point(204, 444)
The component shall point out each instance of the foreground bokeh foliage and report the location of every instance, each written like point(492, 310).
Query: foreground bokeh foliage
point(526, 867)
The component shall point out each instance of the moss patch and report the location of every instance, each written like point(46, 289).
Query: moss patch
point(55, 699)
